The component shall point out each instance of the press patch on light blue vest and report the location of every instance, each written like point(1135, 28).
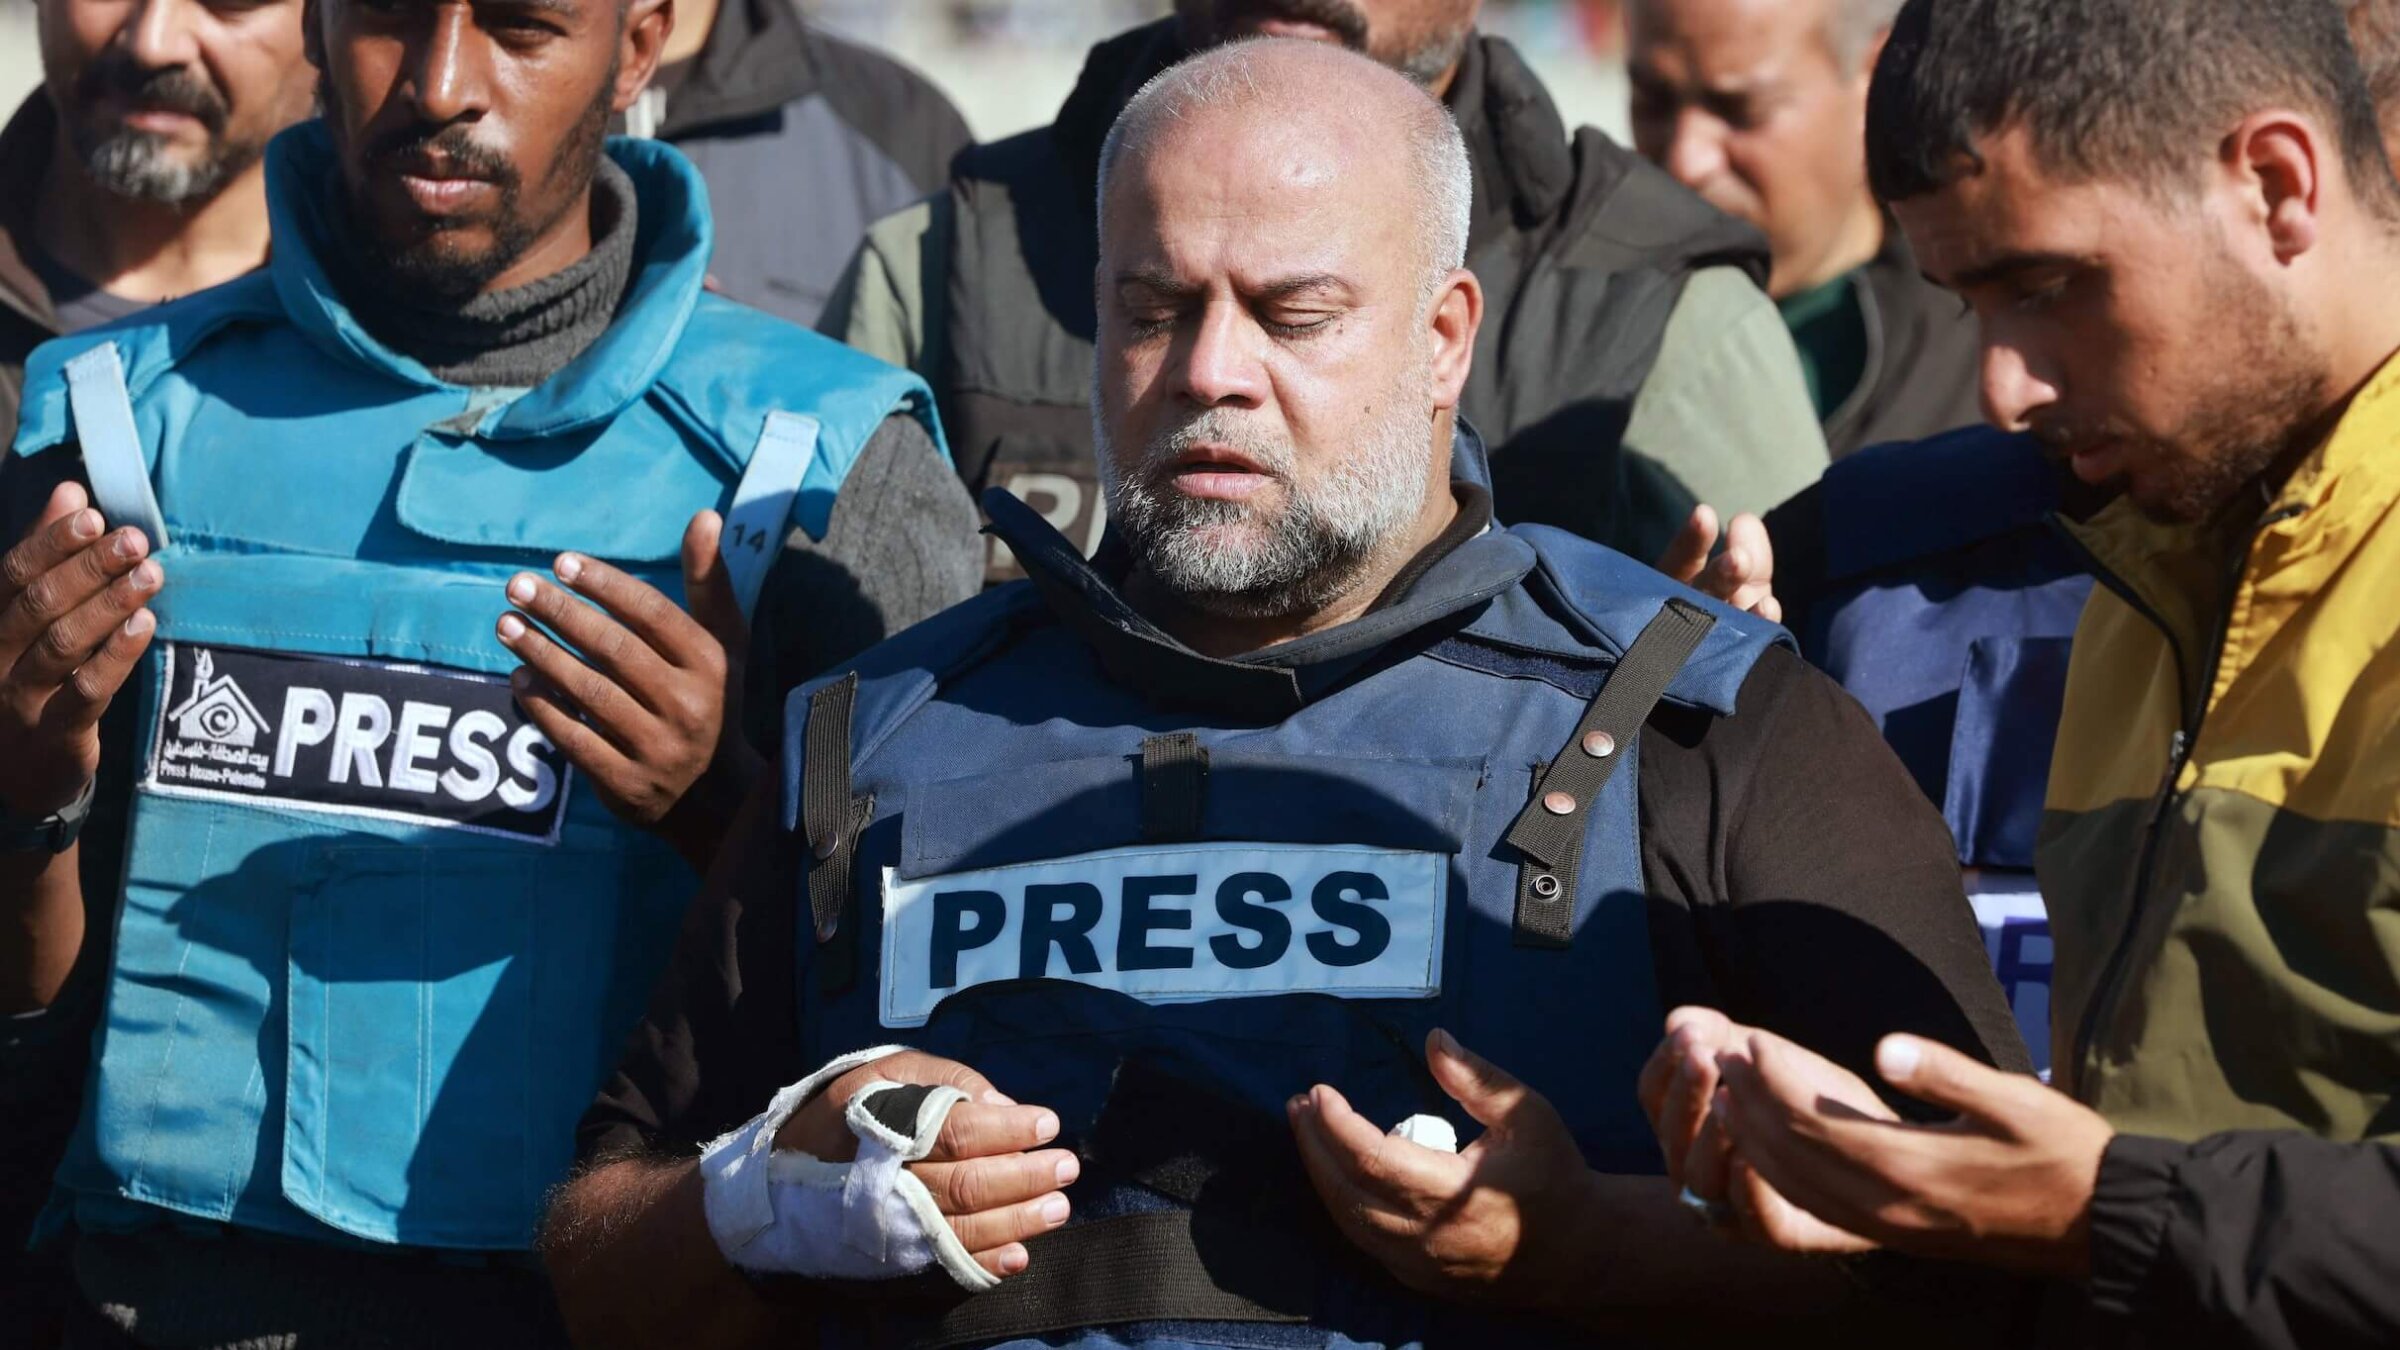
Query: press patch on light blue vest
point(1174, 925)
point(383, 740)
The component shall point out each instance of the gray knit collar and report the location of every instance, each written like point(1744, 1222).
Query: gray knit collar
point(519, 337)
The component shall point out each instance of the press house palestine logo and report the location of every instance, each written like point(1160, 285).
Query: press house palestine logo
point(216, 733)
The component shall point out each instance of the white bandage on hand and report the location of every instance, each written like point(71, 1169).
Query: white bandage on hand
point(781, 1212)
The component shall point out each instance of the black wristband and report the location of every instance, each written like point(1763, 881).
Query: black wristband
point(52, 834)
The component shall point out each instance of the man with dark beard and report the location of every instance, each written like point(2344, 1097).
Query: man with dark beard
point(347, 678)
point(132, 175)
point(2177, 223)
point(1631, 366)
point(1177, 869)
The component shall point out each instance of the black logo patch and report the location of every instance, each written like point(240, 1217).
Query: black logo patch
point(367, 738)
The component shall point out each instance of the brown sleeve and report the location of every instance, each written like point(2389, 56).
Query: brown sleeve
point(1804, 883)
point(722, 1034)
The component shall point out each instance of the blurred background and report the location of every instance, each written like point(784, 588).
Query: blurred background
point(1007, 64)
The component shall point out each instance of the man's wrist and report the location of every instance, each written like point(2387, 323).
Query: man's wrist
point(50, 833)
point(696, 824)
point(1555, 1284)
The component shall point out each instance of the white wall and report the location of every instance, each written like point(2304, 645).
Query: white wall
point(20, 60)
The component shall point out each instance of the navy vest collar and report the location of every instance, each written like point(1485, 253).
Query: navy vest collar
point(1274, 683)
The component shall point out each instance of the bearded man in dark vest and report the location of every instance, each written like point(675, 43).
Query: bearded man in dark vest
point(1631, 364)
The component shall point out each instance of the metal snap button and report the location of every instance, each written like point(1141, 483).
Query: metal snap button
point(1559, 804)
point(1545, 886)
point(1599, 745)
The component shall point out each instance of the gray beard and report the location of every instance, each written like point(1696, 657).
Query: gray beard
point(1327, 535)
point(136, 164)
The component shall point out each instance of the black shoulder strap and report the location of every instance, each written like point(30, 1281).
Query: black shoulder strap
point(1550, 832)
point(830, 819)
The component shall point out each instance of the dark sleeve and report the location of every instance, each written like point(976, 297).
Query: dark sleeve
point(903, 545)
point(902, 112)
point(722, 1034)
point(1803, 883)
point(2252, 1239)
point(1796, 530)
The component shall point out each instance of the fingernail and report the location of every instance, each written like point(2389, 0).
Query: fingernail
point(145, 577)
point(569, 568)
point(1013, 1260)
point(1046, 1129)
point(128, 544)
point(1054, 1210)
point(1444, 1041)
point(511, 628)
point(520, 589)
point(1297, 1104)
point(141, 621)
point(1069, 1168)
point(84, 525)
point(1898, 1056)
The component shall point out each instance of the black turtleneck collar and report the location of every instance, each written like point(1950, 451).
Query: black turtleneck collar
point(1452, 576)
point(512, 339)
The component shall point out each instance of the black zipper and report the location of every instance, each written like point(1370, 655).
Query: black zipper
point(2179, 753)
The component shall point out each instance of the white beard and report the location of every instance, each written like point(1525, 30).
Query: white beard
point(1230, 558)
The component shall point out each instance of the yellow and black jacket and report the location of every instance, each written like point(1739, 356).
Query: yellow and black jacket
point(2221, 858)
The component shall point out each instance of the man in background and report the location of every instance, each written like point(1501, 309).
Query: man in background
point(2179, 226)
point(132, 174)
point(1760, 107)
point(1630, 365)
point(804, 140)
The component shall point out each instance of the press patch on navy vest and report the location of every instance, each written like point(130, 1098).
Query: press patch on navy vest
point(412, 743)
point(1173, 925)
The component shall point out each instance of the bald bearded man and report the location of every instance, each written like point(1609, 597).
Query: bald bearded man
point(1106, 923)
point(1628, 366)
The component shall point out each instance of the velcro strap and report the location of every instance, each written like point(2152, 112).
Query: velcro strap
point(830, 820)
point(1550, 832)
point(762, 504)
point(111, 445)
point(1174, 788)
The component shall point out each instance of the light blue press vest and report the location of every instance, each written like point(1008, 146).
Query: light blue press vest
point(378, 945)
point(1344, 885)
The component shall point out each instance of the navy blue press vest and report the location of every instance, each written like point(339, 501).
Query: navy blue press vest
point(1161, 894)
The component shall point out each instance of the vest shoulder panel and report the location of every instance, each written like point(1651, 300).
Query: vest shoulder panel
point(149, 344)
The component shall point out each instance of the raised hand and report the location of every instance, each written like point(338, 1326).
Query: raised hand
point(1742, 576)
point(1480, 1224)
point(637, 693)
point(2008, 1181)
point(74, 621)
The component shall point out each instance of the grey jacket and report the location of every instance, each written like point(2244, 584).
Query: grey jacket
point(804, 140)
